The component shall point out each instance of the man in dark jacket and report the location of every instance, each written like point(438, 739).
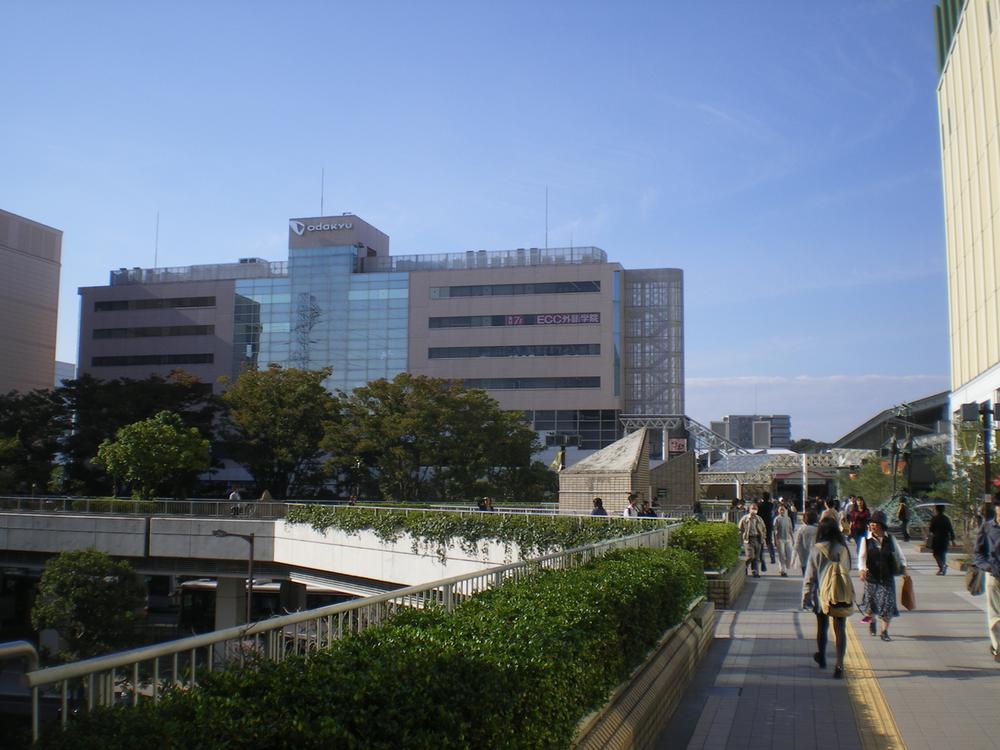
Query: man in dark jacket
point(765, 509)
point(986, 557)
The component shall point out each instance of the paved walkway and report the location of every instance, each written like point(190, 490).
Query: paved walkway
point(934, 686)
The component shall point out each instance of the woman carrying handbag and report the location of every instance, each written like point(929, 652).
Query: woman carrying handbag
point(880, 560)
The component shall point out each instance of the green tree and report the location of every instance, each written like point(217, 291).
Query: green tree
point(419, 438)
point(92, 411)
point(29, 434)
point(93, 601)
point(872, 481)
point(155, 453)
point(276, 420)
point(963, 482)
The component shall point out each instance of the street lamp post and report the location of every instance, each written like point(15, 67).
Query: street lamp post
point(246, 538)
point(986, 409)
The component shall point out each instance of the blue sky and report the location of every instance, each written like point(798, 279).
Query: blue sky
point(784, 154)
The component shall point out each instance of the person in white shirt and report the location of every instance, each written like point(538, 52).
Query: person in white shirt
point(632, 509)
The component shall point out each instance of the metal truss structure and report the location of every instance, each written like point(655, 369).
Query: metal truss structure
point(703, 439)
point(764, 471)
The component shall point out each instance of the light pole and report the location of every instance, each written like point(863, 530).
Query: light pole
point(986, 410)
point(246, 538)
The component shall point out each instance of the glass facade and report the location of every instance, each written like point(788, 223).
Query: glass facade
point(325, 315)
point(596, 428)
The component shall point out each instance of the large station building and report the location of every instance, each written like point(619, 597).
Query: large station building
point(564, 335)
point(968, 44)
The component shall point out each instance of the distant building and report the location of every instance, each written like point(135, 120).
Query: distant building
point(563, 335)
point(921, 429)
point(30, 256)
point(64, 371)
point(968, 49)
point(756, 431)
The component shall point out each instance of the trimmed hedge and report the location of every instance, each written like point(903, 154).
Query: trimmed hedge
point(518, 667)
point(717, 544)
point(535, 535)
point(114, 506)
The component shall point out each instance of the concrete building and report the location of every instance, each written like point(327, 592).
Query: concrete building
point(756, 431)
point(30, 255)
point(969, 116)
point(564, 335)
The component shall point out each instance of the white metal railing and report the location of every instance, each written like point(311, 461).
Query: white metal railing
point(108, 506)
point(144, 673)
point(265, 511)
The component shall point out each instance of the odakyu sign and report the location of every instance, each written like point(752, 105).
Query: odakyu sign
point(301, 227)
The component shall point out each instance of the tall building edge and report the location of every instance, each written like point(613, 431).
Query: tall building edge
point(30, 259)
point(969, 120)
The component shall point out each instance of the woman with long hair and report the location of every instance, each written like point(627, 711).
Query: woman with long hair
point(829, 549)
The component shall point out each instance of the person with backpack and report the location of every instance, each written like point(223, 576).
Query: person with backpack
point(880, 560)
point(828, 591)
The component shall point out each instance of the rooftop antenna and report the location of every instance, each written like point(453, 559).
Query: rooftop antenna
point(322, 187)
point(546, 217)
point(156, 241)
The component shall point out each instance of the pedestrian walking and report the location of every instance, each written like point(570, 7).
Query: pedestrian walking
point(805, 538)
point(765, 509)
point(986, 557)
point(753, 532)
point(942, 534)
point(903, 516)
point(631, 510)
point(830, 510)
point(880, 560)
point(782, 533)
point(598, 508)
point(858, 519)
point(828, 592)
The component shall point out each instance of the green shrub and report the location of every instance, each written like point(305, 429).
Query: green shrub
point(535, 535)
point(113, 505)
point(517, 667)
point(717, 544)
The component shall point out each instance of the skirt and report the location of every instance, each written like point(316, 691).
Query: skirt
point(880, 599)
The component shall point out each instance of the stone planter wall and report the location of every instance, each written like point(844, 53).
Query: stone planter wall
point(724, 586)
point(642, 705)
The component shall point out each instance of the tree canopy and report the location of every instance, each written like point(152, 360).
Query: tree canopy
point(276, 420)
point(155, 453)
point(420, 438)
point(93, 601)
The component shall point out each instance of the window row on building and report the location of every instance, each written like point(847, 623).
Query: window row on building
point(528, 350)
point(156, 303)
point(532, 319)
point(152, 359)
point(506, 290)
point(512, 384)
point(153, 331)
